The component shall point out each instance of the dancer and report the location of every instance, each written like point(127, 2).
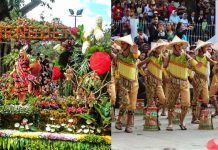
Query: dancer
point(128, 80)
point(177, 67)
point(200, 80)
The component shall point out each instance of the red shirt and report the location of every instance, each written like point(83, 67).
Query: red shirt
point(170, 9)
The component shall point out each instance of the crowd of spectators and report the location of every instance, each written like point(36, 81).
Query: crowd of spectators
point(162, 19)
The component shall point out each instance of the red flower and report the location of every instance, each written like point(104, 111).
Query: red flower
point(56, 73)
point(74, 30)
point(100, 62)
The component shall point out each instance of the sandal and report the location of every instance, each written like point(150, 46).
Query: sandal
point(183, 127)
point(195, 121)
point(118, 125)
point(169, 128)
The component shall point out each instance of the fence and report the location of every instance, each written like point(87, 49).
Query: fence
point(193, 35)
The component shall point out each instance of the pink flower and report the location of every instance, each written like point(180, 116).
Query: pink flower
point(74, 30)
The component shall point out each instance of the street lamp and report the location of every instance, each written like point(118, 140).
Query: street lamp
point(78, 14)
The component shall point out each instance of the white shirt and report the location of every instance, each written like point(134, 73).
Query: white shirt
point(185, 22)
point(148, 10)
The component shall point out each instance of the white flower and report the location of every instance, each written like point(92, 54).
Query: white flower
point(88, 121)
point(69, 129)
point(85, 46)
point(26, 127)
point(52, 119)
point(70, 120)
point(48, 128)
point(58, 126)
point(30, 124)
point(86, 130)
point(52, 130)
point(87, 33)
point(21, 126)
point(99, 130)
point(83, 126)
point(91, 131)
point(16, 125)
point(79, 131)
point(99, 35)
point(47, 125)
point(63, 124)
point(53, 126)
point(25, 120)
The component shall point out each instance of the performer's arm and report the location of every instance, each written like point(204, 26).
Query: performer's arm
point(146, 61)
point(211, 61)
point(192, 61)
point(135, 51)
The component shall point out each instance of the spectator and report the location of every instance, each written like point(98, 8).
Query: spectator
point(171, 8)
point(141, 38)
point(144, 48)
point(139, 8)
point(124, 5)
point(117, 11)
point(182, 8)
point(126, 23)
point(201, 17)
point(153, 29)
point(204, 25)
point(132, 9)
point(211, 17)
point(149, 9)
point(174, 18)
point(170, 32)
point(184, 20)
point(181, 31)
point(161, 31)
point(193, 18)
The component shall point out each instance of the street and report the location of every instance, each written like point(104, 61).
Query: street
point(190, 139)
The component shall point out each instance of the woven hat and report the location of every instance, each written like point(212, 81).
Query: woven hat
point(127, 39)
point(176, 40)
point(201, 44)
point(155, 45)
point(215, 46)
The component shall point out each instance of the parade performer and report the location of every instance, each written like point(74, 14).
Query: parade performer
point(128, 80)
point(114, 78)
point(21, 75)
point(153, 81)
point(35, 69)
point(214, 85)
point(200, 80)
point(177, 69)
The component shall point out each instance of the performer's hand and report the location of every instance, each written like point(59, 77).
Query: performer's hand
point(135, 48)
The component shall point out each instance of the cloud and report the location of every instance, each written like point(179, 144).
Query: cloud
point(60, 9)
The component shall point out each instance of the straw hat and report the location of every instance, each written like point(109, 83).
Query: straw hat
point(155, 45)
point(215, 46)
point(127, 39)
point(201, 44)
point(176, 40)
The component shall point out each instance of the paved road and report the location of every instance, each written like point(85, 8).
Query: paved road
point(191, 139)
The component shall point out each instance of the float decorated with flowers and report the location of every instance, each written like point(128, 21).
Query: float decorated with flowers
point(54, 86)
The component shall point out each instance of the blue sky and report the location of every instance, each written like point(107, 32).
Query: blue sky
point(92, 8)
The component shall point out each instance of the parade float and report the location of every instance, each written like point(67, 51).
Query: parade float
point(71, 108)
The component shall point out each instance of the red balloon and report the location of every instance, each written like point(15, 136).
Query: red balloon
point(211, 145)
point(100, 62)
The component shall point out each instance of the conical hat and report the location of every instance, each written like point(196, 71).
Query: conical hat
point(215, 46)
point(127, 39)
point(155, 45)
point(201, 44)
point(177, 40)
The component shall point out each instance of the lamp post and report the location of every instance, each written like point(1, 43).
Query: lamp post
point(78, 14)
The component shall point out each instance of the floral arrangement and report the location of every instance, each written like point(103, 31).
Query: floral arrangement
point(25, 126)
point(47, 105)
point(77, 110)
point(11, 139)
